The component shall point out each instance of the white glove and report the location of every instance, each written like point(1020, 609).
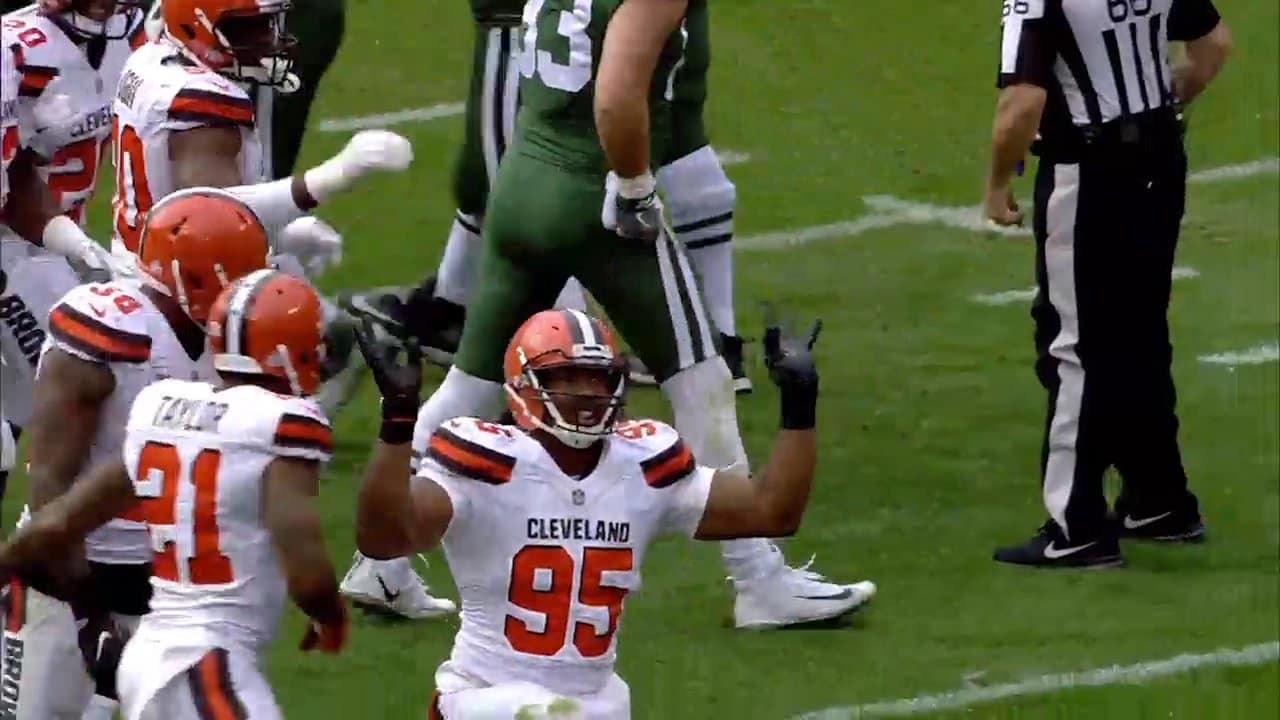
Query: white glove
point(367, 151)
point(50, 121)
point(313, 242)
point(609, 212)
point(63, 236)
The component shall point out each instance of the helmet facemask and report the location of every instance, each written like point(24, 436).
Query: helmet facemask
point(260, 49)
point(575, 415)
point(98, 18)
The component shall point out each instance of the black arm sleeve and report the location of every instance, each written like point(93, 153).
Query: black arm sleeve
point(1027, 48)
point(1192, 19)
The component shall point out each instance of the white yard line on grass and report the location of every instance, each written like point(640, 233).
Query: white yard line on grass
point(1267, 166)
point(890, 211)
point(1259, 654)
point(1265, 353)
point(399, 117)
point(1026, 295)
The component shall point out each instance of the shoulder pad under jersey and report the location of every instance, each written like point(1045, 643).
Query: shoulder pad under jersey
point(474, 449)
point(103, 323)
point(663, 456)
point(282, 425)
point(27, 34)
point(167, 88)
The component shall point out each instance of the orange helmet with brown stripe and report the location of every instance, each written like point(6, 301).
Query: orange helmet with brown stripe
point(565, 376)
point(198, 241)
point(269, 323)
point(241, 39)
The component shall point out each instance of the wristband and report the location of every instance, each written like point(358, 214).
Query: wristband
point(799, 406)
point(641, 186)
point(399, 415)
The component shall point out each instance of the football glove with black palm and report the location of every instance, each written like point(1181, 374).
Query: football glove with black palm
point(101, 643)
point(636, 212)
point(399, 382)
point(792, 368)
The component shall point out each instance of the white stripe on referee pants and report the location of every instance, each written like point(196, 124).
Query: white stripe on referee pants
point(1059, 258)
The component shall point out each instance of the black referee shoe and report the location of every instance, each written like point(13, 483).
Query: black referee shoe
point(1169, 526)
point(1049, 549)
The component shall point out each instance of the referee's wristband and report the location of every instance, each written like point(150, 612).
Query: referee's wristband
point(398, 418)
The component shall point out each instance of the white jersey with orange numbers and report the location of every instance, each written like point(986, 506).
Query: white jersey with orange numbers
point(543, 562)
point(163, 91)
point(9, 80)
point(197, 455)
point(64, 96)
point(115, 324)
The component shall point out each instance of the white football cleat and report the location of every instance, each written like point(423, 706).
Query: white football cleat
point(794, 596)
point(391, 587)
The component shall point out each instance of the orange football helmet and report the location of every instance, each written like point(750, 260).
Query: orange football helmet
point(555, 340)
point(241, 39)
point(270, 323)
point(198, 241)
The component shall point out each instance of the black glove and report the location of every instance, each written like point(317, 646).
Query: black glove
point(399, 383)
point(101, 643)
point(791, 368)
point(639, 218)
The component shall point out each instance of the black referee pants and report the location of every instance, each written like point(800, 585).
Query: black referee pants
point(1106, 230)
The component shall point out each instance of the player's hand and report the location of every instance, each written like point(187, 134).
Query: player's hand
point(315, 244)
point(1001, 208)
point(102, 261)
point(330, 637)
point(395, 379)
point(791, 367)
point(154, 23)
point(101, 643)
point(376, 150)
point(632, 207)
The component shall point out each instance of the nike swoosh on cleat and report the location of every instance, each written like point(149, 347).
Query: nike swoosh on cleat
point(1054, 553)
point(391, 597)
point(842, 595)
point(1131, 524)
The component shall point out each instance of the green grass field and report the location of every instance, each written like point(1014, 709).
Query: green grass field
point(931, 414)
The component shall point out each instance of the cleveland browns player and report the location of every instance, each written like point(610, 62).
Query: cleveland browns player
point(185, 117)
point(224, 476)
point(570, 497)
point(108, 341)
point(62, 60)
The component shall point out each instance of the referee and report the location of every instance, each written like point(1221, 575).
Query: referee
point(1095, 80)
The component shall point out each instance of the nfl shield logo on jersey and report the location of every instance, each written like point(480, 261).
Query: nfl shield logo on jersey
point(579, 497)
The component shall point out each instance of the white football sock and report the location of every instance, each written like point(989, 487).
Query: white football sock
point(572, 297)
point(702, 200)
point(706, 416)
point(458, 264)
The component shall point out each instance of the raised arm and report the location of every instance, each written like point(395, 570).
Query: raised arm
point(772, 503)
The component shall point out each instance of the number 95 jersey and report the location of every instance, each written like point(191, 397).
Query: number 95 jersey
point(543, 561)
point(197, 455)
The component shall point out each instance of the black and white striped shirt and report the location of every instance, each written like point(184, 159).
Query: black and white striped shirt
point(1099, 60)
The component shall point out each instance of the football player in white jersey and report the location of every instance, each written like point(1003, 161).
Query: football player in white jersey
point(108, 341)
point(545, 524)
point(185, 117)
point(63, 61)
point(225, 475)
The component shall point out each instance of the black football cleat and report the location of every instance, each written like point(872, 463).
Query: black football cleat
point(1169, 526)
point(1048, 548)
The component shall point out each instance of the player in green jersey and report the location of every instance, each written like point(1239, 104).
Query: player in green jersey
point(699, 196)
point(596, 94)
